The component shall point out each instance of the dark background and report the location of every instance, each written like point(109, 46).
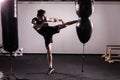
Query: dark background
point(65, 0)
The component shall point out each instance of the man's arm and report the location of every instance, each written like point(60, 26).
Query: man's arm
point(54, 20)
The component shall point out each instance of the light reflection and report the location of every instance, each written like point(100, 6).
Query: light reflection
point(1, 1)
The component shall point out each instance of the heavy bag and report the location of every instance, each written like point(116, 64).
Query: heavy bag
point(9, 26)
point(84, 30)
point(83, 8)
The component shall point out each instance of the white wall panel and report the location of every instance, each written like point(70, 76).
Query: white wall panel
point(106, 29)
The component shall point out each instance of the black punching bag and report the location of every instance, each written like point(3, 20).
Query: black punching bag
point(9, 25)
point(83, 8)
point(84, 30)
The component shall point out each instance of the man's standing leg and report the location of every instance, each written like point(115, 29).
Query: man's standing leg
point(50, 58)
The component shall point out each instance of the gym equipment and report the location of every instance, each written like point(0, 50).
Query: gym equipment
point(111, 57)
point(10, 32)
point(84, 30)
point(9, 26)
point(83, 8)
point(84, 27)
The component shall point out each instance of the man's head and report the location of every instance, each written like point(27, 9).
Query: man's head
point(40, 12)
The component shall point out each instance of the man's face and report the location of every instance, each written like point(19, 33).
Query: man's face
point(42, 17)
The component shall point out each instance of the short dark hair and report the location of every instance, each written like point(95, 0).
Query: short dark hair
point(40, 12)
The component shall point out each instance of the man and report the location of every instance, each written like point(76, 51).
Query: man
point(40, 24)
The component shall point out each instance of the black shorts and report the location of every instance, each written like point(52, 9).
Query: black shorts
point(48, 32)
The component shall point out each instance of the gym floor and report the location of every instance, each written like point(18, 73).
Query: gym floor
point(67, 67)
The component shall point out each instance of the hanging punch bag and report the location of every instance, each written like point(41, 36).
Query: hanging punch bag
point(84, 27)
point(9, 25)
point(83, 8)
point(84, 30)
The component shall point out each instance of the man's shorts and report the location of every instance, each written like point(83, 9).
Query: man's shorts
point(48, 32)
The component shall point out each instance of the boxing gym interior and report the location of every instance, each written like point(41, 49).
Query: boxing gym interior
point(86, 50)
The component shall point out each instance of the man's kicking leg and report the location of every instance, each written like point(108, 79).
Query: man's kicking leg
point(63, 25)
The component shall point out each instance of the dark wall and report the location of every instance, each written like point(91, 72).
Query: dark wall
point(65, 0)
